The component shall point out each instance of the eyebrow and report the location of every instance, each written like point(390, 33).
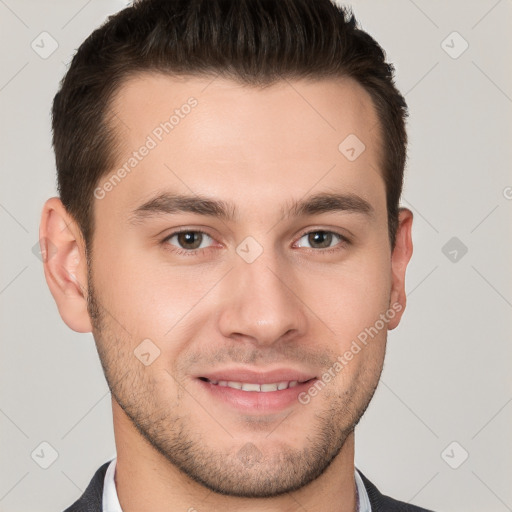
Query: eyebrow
point(168, 204)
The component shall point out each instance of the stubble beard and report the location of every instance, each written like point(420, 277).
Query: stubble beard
point(247, 470)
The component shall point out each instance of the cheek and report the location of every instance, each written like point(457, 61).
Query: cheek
point(354, 296)
point(149, 297)
point(130, 290)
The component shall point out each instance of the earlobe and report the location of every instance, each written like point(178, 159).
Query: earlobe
point(400, 257)
point(64, 262)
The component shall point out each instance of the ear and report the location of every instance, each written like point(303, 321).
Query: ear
point(400, 257)
point(64, 262)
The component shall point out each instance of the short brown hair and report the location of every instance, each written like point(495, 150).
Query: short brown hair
point(256, 42)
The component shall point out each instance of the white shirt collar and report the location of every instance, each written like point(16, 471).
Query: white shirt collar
point(363, 499)
point(111, 501)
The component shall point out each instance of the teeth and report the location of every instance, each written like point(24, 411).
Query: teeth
point(249, 386)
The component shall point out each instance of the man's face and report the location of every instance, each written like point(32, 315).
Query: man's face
point(263, 297)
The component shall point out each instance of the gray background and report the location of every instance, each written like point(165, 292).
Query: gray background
point(447, 375)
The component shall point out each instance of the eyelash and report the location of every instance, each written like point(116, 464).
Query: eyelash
point(184, 252)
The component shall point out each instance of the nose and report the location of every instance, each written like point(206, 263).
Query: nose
point(262, 302)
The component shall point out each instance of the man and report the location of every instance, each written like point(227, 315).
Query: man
point(229, 230)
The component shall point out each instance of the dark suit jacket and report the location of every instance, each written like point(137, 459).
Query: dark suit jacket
point(90, 501)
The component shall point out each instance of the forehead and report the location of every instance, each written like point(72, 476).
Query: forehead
point(317, 108)
point(216, 136)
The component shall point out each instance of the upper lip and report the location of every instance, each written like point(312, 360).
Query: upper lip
point(255, 377)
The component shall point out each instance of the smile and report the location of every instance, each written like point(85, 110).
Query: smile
point(254, 387)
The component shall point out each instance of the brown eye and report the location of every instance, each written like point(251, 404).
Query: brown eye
point(188, 240)
point(322, 239)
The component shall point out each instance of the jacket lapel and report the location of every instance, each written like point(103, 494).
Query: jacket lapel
point(91, 499)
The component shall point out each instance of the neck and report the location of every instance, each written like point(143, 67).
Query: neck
point(147, 482)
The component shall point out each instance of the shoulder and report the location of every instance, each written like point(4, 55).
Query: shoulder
point(91, 499)
point(382, 503)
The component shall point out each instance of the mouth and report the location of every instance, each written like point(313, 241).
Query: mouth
point(252, 387)
point(253, 392)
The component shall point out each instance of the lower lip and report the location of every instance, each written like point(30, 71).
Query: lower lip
point(256, 401)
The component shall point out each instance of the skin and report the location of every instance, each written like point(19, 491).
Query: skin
point(294, 306)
